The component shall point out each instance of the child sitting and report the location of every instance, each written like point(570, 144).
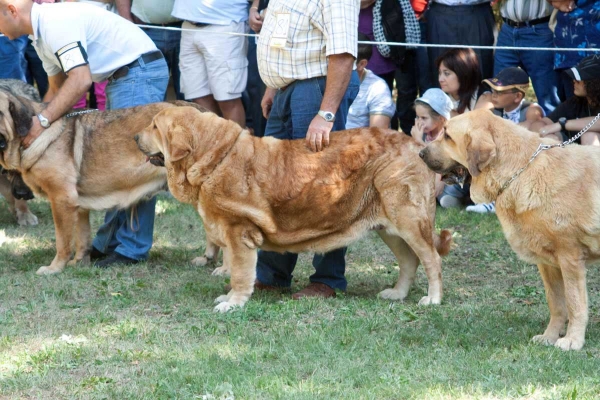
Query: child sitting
point(373, 106)
point(508, 97)
point(433, 110)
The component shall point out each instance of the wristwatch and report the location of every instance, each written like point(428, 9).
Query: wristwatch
point(563, 123)
point(327, 115)
point(43, 121)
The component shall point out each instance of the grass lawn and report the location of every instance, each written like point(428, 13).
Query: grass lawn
point(148, 331)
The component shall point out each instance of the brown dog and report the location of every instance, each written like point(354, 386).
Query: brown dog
point(550, 213)
point(279, 196)
point(87, 162)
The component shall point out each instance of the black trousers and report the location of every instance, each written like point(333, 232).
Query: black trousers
point(464, 25)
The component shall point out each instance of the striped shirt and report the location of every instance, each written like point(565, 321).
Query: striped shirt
point(525, 10)
point(318, 28)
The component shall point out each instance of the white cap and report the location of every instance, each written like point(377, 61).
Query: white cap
point(438, 100)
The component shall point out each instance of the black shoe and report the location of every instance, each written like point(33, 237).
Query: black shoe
point(115, 259)
point(96, 254)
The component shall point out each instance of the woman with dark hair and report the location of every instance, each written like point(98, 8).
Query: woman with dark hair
point(574, 114)
point(459, 77)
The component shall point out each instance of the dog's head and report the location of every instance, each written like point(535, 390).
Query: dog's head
point(15, 122)
point(466, 147)
point(18, 187)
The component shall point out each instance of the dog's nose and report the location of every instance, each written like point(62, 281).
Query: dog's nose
point(422, 153)
point(137, 138)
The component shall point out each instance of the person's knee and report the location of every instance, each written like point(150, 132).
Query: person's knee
point(590, 139)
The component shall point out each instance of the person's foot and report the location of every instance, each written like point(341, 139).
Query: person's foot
point(315, 289)
point(96, 254)
point(115, 259)
point(483, 208)
point(259, 286)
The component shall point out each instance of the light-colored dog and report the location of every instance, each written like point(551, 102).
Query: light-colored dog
point(279, 196)
point(550, 213)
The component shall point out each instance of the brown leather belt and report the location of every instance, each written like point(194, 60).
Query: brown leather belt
point(147, 58)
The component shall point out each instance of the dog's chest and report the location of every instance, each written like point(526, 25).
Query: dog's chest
point(529, 243)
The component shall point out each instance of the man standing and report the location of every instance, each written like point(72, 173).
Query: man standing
point(306, 53)
point(213, 63)
point(526, 25)
point(80, 44)
point(158, 14)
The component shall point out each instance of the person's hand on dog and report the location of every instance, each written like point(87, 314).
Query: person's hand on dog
point(550, 129)
point(35, 131)
point(317, 137)
point(267, 102)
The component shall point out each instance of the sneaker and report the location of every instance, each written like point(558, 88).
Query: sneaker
point(115, 259)
point(447, 201)
point(483, 208)
point(96, 254)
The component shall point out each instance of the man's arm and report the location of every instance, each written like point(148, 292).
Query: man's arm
point(54, 84)
point(73, 88)
point(339, 71)
point(124, 9)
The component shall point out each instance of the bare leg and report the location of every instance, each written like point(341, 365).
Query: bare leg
point(234, 111)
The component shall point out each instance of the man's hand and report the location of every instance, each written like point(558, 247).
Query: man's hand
point(267, 102)
point(255, 20)
point(35, 131)
point(317, 137)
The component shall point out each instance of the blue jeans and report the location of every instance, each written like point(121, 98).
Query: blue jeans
point(168, 42)
point(539, 65)
point(12, 58)
point(129, 232)
point(292, 111)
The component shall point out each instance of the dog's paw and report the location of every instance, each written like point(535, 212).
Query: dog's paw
point(429, 300)
point(226, 306)
point(79, 261)
point(221, 271)
point(392, 294)
point(47, 271)
point(222, 299)
point(26, 218)
point(200, 261)
point(569, 343)
point(543, 339)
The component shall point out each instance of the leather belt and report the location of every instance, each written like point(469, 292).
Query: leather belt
point(141, 22)
point(516, 24)
point(147, 58)
point(199, 24)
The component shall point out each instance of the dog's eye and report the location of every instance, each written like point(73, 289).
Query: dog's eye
point(446, 136)
point(3, 143)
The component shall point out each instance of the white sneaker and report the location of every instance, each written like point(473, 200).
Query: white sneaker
point(483, 208)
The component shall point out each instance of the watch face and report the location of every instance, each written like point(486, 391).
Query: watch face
point(329, 116)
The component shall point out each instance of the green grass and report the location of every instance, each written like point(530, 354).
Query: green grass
point(148, 331)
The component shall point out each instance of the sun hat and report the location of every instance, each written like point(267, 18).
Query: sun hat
point(438, 100)
point(588, 68)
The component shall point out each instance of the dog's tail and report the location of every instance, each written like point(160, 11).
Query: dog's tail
point(443, 242)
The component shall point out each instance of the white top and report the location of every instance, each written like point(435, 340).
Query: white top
point(154, 11)
point(221, 12)
point(373, 98)
point(109, 40)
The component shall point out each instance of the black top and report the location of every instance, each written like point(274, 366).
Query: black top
point(574, 108)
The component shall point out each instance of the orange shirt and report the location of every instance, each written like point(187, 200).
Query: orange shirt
point(419, 6)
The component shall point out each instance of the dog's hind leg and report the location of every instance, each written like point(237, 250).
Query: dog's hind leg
point(407, 263)
point(241, 255)
point(64, 213)
point(555, 296)
point(82, 239)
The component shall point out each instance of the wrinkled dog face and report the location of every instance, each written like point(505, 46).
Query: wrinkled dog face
point(444, 157)
point(15, 122)
point(150, 143)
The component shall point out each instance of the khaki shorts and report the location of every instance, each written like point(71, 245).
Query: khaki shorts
point(213, 62)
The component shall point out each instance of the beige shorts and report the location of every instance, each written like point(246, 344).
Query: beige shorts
point(213, 62)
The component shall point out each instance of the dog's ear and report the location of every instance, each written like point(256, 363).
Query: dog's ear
point(481, 150)
point(179, 147)
point(21, 117)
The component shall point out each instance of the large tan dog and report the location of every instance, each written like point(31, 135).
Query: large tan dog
point(550, 213)
point(87, 162)
point(279, 196)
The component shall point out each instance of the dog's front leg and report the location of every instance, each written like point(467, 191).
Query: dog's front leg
point(24, 216)
point(64, 213)
point(573, 272)
point(241, 255)
point(82, 238)
point(555, 296)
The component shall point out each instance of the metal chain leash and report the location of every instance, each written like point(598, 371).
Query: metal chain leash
point(73, 114)
point(543, 147)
